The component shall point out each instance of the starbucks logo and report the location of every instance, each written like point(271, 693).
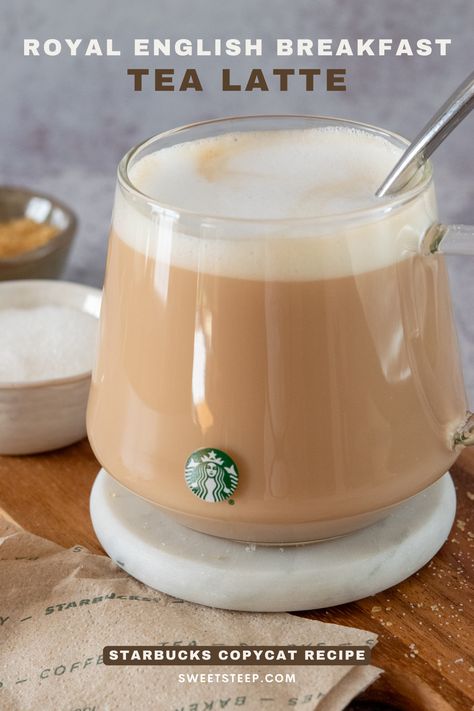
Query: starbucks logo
point(211, 475)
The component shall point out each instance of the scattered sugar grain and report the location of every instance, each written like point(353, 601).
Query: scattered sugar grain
point(45, 342)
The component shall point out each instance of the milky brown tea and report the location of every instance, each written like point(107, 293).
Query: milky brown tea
point(262, 303)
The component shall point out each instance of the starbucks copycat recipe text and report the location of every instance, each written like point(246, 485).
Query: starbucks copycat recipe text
point(261, 304)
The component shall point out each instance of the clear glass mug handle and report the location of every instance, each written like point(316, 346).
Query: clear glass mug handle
point(453, 240)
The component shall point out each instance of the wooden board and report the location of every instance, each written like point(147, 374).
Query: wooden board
point(425, 624)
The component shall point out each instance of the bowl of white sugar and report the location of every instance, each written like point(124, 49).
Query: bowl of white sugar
point(47, 348)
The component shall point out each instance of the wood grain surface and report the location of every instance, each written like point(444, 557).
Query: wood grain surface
point(425, 624)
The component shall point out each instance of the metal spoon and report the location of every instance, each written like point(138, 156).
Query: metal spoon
point(449, 115)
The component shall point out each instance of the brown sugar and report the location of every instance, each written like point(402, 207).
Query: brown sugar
point(23, 235)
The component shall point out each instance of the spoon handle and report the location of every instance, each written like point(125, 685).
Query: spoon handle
point(452, 112)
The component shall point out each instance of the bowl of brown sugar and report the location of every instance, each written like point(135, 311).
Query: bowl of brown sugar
point(36, 233)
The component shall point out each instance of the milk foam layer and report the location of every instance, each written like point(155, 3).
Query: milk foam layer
point(271, 175)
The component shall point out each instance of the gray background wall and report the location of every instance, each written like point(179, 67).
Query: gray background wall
point(65, 122)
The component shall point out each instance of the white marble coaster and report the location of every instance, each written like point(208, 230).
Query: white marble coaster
point(238, 576)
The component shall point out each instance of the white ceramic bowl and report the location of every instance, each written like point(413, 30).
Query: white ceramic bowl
point(47, 414)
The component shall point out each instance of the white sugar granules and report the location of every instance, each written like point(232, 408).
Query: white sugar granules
point(45, 342)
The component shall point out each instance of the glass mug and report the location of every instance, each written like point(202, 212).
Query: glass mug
point(254, 380)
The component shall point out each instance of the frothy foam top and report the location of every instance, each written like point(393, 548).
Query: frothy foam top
point(274, 175)
point(269, 174)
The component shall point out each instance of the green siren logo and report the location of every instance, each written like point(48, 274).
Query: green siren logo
point(211, 475)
